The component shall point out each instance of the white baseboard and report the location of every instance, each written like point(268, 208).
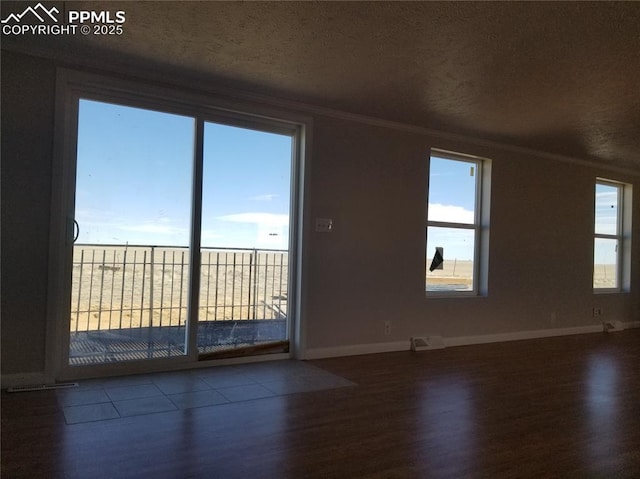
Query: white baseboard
point(374, 348)
point(357, 349)
point(24, 379)
point(520, 335)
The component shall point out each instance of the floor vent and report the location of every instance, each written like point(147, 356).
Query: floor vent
point(425, 343)
point(41, 387)
point(610, 326)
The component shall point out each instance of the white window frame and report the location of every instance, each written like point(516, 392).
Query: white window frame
point(480, 225)
point(622, 236)
point(203, 107)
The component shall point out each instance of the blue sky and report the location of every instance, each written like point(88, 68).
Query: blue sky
point(606, 222)
point(134, 174)
point(606, 209)
point(452, 196)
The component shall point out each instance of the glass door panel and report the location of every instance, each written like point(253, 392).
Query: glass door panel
point(244, 241)
point(132, 209)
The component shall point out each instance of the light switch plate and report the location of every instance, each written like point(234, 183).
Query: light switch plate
point(324, 225)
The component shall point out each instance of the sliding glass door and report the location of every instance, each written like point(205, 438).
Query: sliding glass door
point(181, 236)
point(130, 271)
point(244, 241)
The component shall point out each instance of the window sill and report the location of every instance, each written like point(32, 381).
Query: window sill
point(452, 294)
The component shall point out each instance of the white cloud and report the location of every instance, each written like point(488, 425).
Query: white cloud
point(450, 214)
point(94, 216)
point(606, 212)
point(607, 195)
point(156, 228)
point(267, 197)
point(264, 219)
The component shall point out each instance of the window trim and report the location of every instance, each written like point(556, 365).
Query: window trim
point(622, 236)
point(480, 225)
point(203, 106)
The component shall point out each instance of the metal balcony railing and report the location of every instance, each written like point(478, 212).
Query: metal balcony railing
point(132, 286)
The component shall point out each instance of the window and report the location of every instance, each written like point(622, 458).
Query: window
point(172, 222)
point(612, 231)
point(457, 224)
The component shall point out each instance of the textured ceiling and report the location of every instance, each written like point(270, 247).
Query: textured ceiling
point(559, 77)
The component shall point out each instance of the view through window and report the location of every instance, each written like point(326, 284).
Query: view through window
point(609, 232)
point(132, 272)
point(453, 223)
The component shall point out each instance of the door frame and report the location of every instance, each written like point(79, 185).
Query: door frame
point(225, 108)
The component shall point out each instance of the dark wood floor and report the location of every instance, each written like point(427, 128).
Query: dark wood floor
point(564, 407)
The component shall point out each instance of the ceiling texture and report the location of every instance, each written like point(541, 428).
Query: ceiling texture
point(558, 77)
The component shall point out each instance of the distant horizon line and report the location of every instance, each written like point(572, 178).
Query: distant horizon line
point(135, 245)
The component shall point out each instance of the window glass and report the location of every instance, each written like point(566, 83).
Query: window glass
point(450, 259)
point(453, 223)
point(609, 256)
point(605, 263)
point(607, 209)
point(452, 191)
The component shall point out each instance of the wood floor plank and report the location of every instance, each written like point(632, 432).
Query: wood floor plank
point(560, 407)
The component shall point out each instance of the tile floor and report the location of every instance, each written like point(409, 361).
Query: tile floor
point(112, 398)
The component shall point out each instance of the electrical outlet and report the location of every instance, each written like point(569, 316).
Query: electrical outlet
point(597, 312)
point(387, 327)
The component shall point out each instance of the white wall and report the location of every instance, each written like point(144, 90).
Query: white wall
point(27, 142)
point(371, 269)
